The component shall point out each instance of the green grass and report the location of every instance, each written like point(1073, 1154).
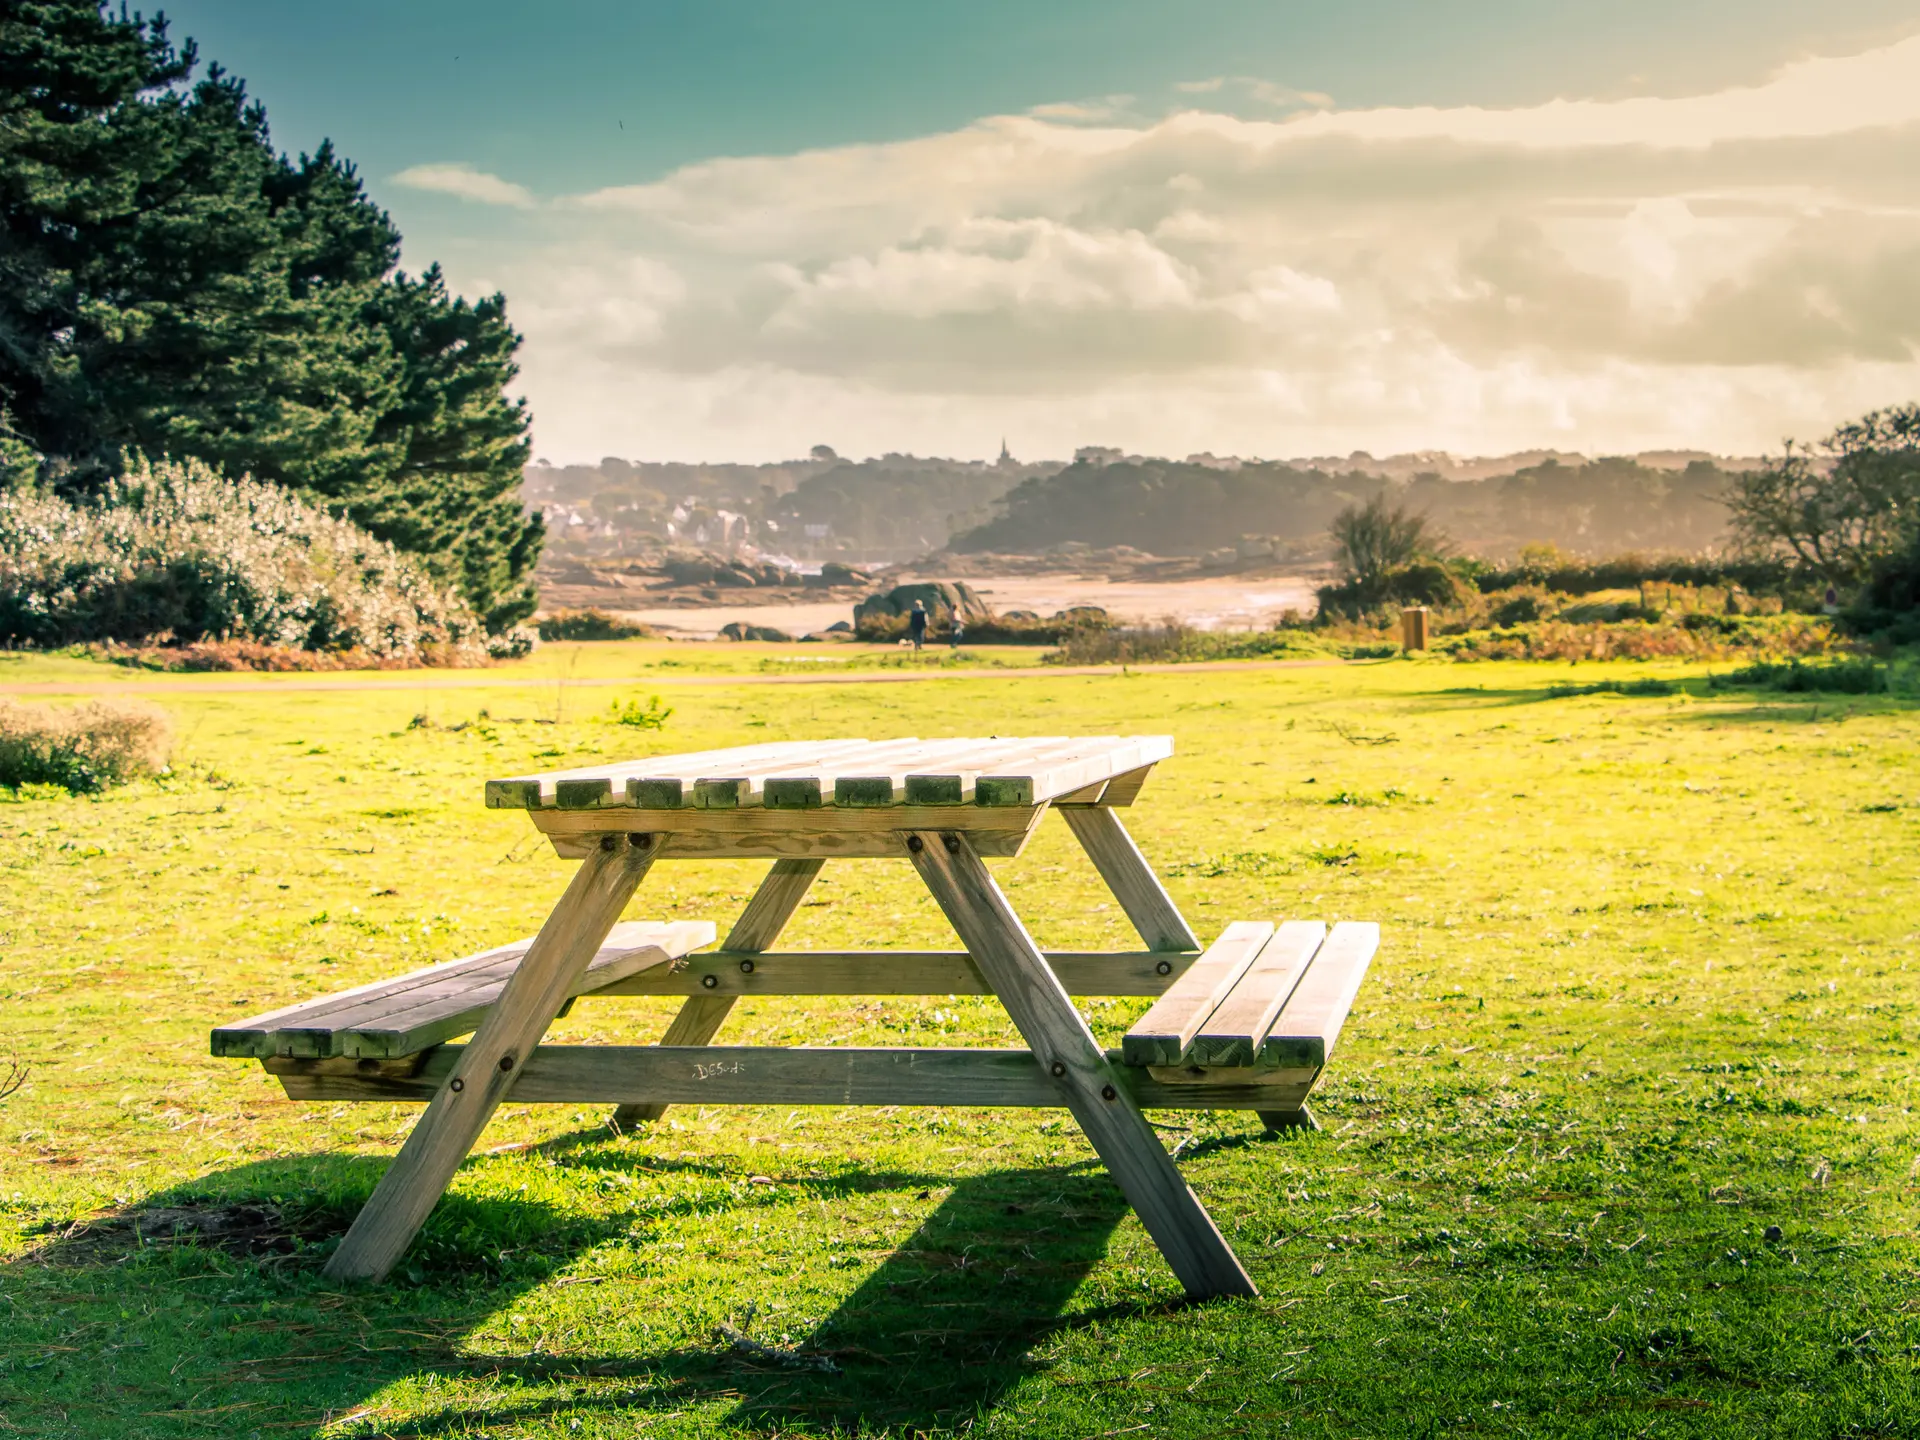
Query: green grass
point(1647, 988)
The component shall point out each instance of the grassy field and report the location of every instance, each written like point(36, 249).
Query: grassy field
point(1648, 987)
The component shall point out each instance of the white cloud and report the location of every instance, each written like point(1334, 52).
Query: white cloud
point(466, 182)
point(1714, 270)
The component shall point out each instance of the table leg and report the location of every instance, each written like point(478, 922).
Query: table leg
point(1129, 877)
point(1060, 1039)
point(539, 986)
point(757, 928)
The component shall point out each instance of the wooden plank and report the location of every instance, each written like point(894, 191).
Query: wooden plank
point(955, 782)
point(1122, 789)
point(411, 1012)
point(1309, 1026)
point(1132, 881)
point(760, 1075)
point(893, 972)
point(817, 785)
point(1236, 1030)
point(531, 792)
point(1066, 774)
point(744, 785)
point(700, 1018)
point(760, 833)
point(1102, 1104)
point(881, 780)
point(1161, 1036)
point(487, 1067)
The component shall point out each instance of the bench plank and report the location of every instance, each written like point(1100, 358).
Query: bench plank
point(1310, 1024)
point(1161, 1036)
point(414, 1011)
point(1235, 1031)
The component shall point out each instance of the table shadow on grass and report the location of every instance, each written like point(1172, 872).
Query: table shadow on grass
point(940, 1332)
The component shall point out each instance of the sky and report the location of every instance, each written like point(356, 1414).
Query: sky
point(736, 229)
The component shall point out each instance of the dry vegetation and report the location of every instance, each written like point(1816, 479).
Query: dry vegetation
point(84, 747)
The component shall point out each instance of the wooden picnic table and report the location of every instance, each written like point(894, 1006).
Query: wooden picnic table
point(1246, 1023)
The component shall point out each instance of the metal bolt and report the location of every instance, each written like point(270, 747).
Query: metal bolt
point(506, 1062)
point(710, 981)
point(640, 842)
point(609, 842)
point(1058, 1070)
point(1165, 967)
point(1107, 1092)
point(457, 1085)
point(746, 967)
point(953, 844)
point(916, 844)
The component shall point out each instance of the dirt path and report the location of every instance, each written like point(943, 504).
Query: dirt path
point(405, 681)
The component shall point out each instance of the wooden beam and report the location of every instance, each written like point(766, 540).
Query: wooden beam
point(1091, 1085)
point(755, 832)
point(1130, 878)
point(760, 1075)
point(892, 972)
point(487, 1069)
point(759, 925)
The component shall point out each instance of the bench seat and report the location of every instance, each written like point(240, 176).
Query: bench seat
point(1263, 1006)
point(403, 1016)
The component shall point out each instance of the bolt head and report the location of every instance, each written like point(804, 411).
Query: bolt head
point(1107, 1092)
point(746, 967)
point(639, 841)
point(916, 844)
point(506, 1062)
point(952, 843)
point(710, 981)
point(457, 1085)
point(1165, 967)
point(1058, 1070)
point(609, 842)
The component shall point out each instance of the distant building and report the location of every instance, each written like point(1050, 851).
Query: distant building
point(1006, 455)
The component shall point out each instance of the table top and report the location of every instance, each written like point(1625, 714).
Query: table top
point(865, 774)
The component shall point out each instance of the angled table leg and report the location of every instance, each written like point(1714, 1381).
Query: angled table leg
point(1129, 877)
point(757, 928)
point(420, 1173)
point(1060, 1039)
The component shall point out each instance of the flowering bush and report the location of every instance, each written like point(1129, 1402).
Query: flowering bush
point(173, 553)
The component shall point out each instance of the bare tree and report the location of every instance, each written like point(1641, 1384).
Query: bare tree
point(1376, 538)
point(1841, 505)
point(15, 1077)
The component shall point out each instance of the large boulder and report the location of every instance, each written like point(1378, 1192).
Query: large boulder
point(943, 598)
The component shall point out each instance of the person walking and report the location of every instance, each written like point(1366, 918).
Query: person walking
point(959, 629)
point(917, 624)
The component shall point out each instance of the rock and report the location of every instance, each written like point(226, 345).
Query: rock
point(1774, 1234)
point(1083, 615)
point(840, 627)
point(836, 574)
point(1020, 615)
point(740, 630)
point(943, 599)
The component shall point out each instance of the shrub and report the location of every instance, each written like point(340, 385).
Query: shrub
point(592, 625)
point(172, 552)
point(88, 747)
point(1544, 565)
point(1521, 608)
point(1846, 676)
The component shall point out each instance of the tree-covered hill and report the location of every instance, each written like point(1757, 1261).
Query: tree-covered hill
point(1172, 507)
point(170, 284)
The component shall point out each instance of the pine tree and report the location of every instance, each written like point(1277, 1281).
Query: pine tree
point(172, 285)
